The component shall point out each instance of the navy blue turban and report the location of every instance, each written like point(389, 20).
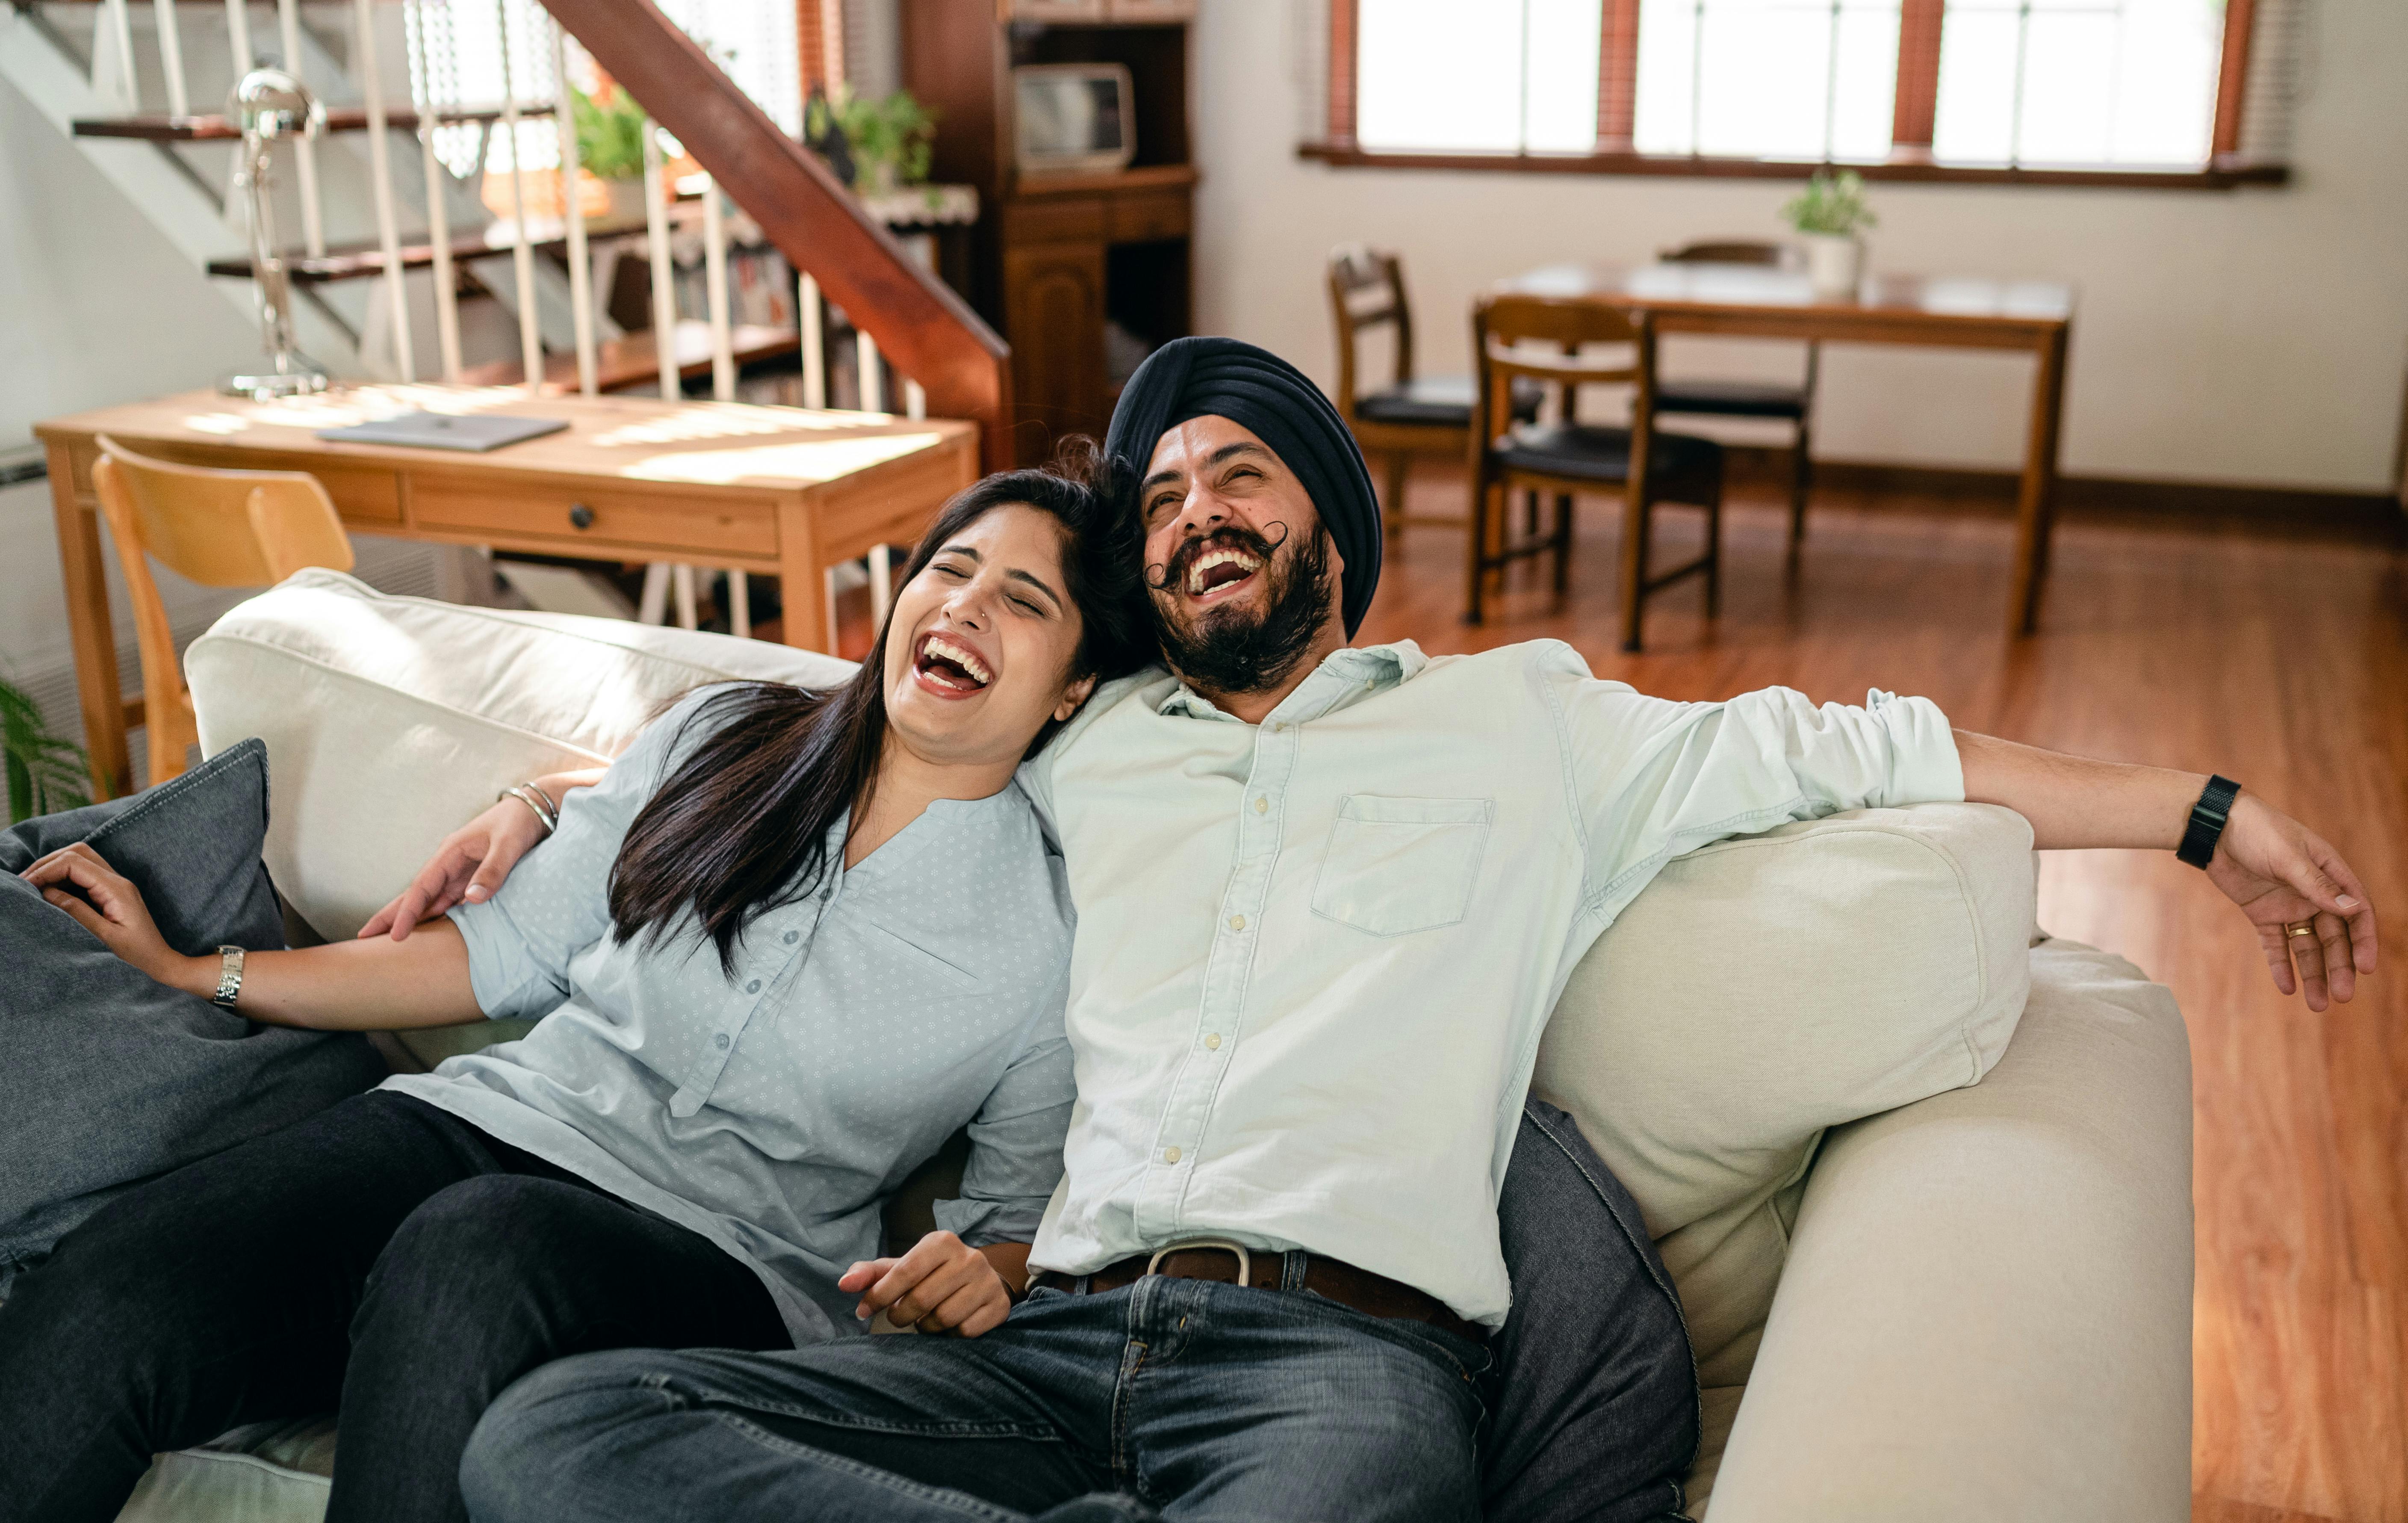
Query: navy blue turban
point(1257, 390)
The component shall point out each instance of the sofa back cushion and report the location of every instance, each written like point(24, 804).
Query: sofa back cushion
point(390, 722)
point(1765, 989)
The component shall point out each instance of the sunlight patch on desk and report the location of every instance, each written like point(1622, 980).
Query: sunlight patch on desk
point(820, 460)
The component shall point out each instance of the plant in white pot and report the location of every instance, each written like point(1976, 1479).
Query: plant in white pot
point(1830, 215)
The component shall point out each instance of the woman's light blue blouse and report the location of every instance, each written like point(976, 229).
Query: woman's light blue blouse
point(912, 993)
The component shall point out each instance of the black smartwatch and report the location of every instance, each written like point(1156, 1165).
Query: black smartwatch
point(2207, 819)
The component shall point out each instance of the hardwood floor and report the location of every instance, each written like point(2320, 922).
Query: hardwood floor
point(2277, 658)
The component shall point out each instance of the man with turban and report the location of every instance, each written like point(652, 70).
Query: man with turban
point(1327, 895)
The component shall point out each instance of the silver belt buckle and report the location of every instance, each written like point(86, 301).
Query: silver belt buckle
point(1245, 1261)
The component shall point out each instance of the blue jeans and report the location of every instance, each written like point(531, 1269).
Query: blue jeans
point(1173, 1399)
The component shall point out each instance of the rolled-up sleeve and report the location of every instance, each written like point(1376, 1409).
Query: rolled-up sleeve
point(1015, 1146)
point(1652, 779)
point(556, 902)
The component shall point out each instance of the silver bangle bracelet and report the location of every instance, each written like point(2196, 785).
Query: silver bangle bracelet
point(229, 977)
point(537, 800)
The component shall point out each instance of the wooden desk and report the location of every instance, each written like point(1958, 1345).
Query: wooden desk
point(1946, 312)
point(777, 490)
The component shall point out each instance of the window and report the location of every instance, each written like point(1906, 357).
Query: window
point(2055, 90)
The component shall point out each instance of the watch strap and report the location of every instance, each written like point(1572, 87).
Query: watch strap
point(2207, 819)
point(229, 977)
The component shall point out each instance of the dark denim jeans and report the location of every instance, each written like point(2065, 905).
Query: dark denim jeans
point(1172, 1399)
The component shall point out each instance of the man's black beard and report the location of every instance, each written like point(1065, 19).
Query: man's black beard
point(1229, 650)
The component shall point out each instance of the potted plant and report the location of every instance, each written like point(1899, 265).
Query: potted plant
point(611, 148)
point(46, 773)
point(888, 143)
point(1830, 215)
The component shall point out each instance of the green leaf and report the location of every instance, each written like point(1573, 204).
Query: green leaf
point(45, 772)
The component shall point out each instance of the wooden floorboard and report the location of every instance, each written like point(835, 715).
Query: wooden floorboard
point(2279, 659)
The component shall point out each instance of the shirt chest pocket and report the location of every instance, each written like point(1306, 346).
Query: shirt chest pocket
point(1395, 866)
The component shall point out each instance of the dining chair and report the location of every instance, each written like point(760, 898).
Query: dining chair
point(220, 528)
point(1543, 340)
point(1778, 400)
point(1411, 415)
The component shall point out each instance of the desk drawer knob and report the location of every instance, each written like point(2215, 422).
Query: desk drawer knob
point(581, 515)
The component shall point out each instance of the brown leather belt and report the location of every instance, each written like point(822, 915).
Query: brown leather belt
point(1228, 1264)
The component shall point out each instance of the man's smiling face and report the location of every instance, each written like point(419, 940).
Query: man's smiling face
point(1243, 576)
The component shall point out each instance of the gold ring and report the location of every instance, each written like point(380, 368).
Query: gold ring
point(2305, 927)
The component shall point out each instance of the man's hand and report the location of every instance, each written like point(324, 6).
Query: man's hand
point(104, 902)
point(2284, 874)
point(943, 1285)
point(2279, 872)
point(470, 866)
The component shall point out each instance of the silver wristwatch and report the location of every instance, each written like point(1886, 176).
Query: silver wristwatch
point(229, 977)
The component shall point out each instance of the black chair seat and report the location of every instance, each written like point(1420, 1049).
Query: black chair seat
point(1731, 398)
point(1591, 453)
point(1439, 401)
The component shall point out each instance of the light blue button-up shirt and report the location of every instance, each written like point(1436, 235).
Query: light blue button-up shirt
point(1315, 955)
point(774, 1111)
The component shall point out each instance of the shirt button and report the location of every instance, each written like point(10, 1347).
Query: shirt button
point(1237, 922)
point(1280, 729)
point(720, 1041)
point(1262, 804)
point(1212, 1042)
point(792, 936)
point(1170, 1154)
point(753, 987)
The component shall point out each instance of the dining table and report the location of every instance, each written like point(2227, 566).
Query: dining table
point(1946, 312)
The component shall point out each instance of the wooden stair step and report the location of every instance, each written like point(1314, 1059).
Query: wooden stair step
point(362, 258)
point(620, 363)
point(159, 127)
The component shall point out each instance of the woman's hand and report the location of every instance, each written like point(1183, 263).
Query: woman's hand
point(2284, 874)
point(943, 1285)
point(111, 908)
point(469, 865)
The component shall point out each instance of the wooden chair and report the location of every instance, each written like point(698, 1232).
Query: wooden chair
point(1794, 405)
point(220, 528)
point(1413, 415)
point(1561, 458)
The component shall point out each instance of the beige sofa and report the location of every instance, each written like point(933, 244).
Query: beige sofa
point(1921, 1174)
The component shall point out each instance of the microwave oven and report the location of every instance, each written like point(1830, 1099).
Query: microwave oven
point(1069, 117)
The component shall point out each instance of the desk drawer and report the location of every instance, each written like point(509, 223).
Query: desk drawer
point(1066, 218)
point(618, 517)
point(1144, 218)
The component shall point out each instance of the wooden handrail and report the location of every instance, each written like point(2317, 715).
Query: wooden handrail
point(925, 330)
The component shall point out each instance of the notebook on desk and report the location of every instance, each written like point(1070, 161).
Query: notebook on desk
point(443, 431)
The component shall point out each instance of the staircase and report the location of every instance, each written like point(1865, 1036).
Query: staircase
point(403, 273)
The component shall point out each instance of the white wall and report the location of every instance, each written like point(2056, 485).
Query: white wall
point(2254, 336)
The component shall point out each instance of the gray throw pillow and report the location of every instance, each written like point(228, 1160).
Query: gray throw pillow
point(108, 1078)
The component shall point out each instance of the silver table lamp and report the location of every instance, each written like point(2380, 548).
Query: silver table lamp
point(270, 104)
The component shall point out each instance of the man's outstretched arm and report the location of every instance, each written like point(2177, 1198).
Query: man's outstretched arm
point(2280, 873)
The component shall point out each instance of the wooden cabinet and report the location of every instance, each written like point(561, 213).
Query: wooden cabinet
point(1054, 311)
point(1081, 273)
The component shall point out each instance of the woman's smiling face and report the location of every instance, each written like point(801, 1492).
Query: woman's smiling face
point(981, 643)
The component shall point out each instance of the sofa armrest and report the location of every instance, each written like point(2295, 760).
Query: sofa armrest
point(1987, 1308)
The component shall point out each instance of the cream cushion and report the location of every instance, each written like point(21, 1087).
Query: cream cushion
point(1768, 987)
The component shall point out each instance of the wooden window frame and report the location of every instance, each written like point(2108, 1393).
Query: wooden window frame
point(1912, 120)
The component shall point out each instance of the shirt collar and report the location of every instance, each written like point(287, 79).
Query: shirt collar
point(1344, 676)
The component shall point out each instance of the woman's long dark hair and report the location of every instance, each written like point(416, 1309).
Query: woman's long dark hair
point(742, 825)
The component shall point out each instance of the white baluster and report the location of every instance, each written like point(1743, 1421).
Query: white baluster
point(714, 269)
point(683, 579)
point(581, 267)
point(171, 57)
point(121, 35)
point(238, 36)
point(739, 604)
point(915, 400)
point(653, 606)
point(882, 584)
point(438, 233)
point(305, 149)
point(656, 228)
point(522, 253)
point(873, 373)
point(381, 175)
point(807, 320)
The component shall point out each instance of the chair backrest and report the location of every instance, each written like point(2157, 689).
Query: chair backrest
point(1508, 330)
point(1730, 252)
point(1367, 290)
point(220, 528)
